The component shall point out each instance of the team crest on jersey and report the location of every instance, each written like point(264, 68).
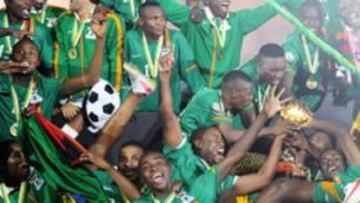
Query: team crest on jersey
point(352, 192)
point(51, 22)
point(90, 34)
point(37, 181)
point(185, 198)
point(289, 57)
point(218, 108)
point(1, 50)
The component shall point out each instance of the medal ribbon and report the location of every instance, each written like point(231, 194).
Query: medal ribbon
point(313, 65)
point(77, 32)
point(262, 97)
point(6, 197)
point(220, 33)
point(15, 99)
point(8, 38)
point(42, 16)
point(168, 199)
point(153, 64)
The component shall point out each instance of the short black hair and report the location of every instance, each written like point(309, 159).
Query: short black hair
point(200, 133)
point(18, 44)
point(148, 153)
point(272, 50)
point(134, 143)
point(313, 4)
point(235, 75)
point(150, 3)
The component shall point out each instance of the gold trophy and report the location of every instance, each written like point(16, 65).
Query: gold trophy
point(296, 113)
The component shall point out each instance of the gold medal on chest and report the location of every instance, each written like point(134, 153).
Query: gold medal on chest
point(13, 129)
point(72, 53)
point(311, 83)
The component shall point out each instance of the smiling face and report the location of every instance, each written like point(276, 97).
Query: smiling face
point(129, 158)
point(331, 163)
point(152, 20)
point(155, 171)
point(19, 8)
point(210, 145)
point(220, 8)
point(25, 51)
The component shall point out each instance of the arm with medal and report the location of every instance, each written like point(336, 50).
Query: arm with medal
point(72, 85)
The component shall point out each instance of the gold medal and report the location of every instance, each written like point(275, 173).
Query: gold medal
point(72, 53)
point(311, 83)
point(13, 129)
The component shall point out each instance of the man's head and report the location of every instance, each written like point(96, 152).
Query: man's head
point(220, 8)
point(272, 64)
point(26, 51)
point(13, 164)
point(209, 144)
point(129, 157)
point(332, 162)
point(38, 4)
point(312, 15)
point(155, 171)
point(349, 10)
point(236, 90)
point(152, 19)
point(320, 141)
point(19, 8)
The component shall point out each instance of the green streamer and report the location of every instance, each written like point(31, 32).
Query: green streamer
point(313, 37)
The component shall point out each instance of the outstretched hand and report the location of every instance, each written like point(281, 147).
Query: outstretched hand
point(274, 103)
point(97, 161)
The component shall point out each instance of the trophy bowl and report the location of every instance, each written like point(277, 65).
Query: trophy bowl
point(296, 113)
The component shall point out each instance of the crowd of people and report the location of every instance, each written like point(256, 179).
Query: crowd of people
point(105, 102)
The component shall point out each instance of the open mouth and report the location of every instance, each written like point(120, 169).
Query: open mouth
point(158, 178)
point(24, 167)
point(221, 151)
point(332, 169)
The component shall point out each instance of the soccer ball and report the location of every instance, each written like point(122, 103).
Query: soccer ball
point(101, 103)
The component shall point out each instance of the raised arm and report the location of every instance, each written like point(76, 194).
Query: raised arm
point(253, 182)
point(172, 131)
point(75, 84)
point(272, 106)
point(251, 19)
point(126, 187)
point(112, 131)
point(342, 136)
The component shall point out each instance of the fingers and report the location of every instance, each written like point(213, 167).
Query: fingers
point(280, 94)
point(86, 157)
point(273, 91)
point(286, 100)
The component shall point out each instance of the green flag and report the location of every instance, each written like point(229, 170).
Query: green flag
point(46, 158)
